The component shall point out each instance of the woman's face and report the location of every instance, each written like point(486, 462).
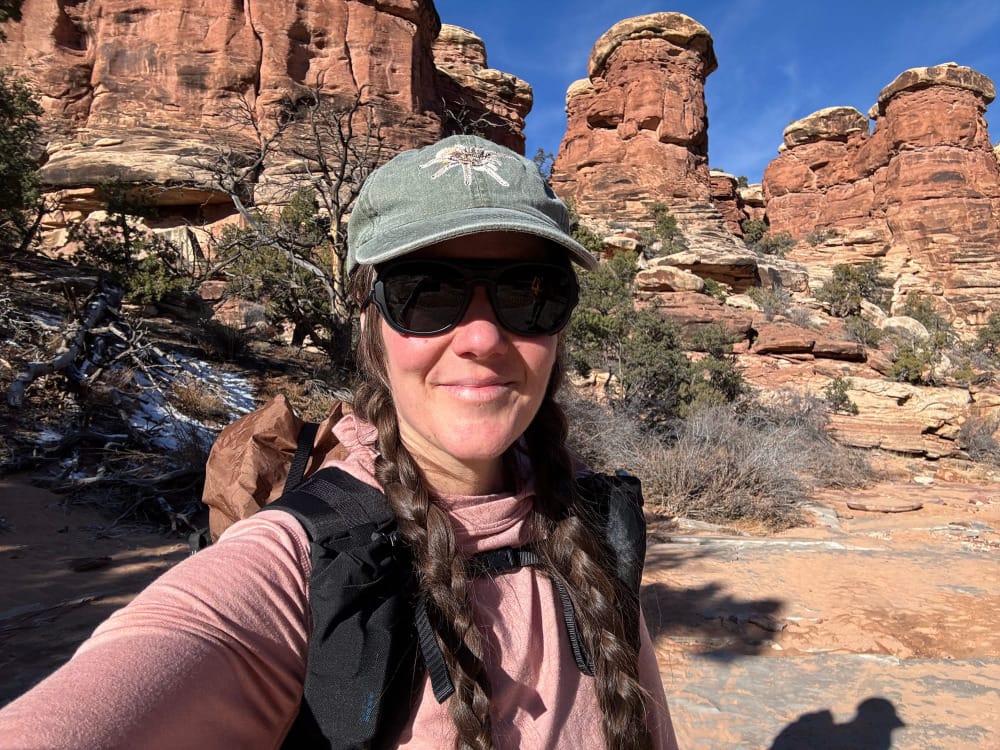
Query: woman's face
point(463, 397)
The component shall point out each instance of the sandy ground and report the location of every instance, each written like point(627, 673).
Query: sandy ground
point(867, 630)
point(46, 606)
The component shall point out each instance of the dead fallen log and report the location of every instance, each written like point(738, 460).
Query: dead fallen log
point(104, 300)
point(875, 507)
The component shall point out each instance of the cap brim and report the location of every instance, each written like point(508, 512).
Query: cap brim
point(393, 243)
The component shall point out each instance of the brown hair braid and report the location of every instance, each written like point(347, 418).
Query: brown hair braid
point(568, 548)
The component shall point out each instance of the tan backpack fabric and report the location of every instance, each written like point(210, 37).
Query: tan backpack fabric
point(250, 458)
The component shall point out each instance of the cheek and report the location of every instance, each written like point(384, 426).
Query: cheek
point(407, 354)
point(539, 355)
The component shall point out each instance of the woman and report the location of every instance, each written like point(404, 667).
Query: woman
point(460, 258)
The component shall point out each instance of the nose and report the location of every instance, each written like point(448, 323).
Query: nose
point(480, 333)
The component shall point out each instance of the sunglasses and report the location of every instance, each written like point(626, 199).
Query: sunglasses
point(428, 297)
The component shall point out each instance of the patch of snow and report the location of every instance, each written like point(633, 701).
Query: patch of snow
point(168, 428)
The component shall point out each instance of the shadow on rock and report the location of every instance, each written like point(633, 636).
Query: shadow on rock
point(871, 729)
point(727, 627)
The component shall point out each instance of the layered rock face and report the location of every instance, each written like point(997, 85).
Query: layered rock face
point(921, 191)
point(155, 84)
point(637, 126)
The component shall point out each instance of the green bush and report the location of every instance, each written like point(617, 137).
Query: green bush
point(147, 266)
point(20, 185)
point(849, 285)
point(864, 332)
point(716, 289)
point(586, 237)
point(912, 362)
point(774, 244)
point(988, 337)
point(920, 307)
point(758, 237)
point(666, 230)
point(753, 230)
point(835, 395)
point(712, 338)
point(650, 376)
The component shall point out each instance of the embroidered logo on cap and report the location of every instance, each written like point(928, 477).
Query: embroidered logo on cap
point(470, 159)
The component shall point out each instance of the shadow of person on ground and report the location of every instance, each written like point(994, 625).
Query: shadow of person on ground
point(871, 729)
point(727, 627)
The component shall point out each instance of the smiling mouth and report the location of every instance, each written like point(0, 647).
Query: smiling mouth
point(486, 391)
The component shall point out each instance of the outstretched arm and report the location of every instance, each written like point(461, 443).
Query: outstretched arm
point(212, 654)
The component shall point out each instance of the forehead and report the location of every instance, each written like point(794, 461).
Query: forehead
point(490, 246)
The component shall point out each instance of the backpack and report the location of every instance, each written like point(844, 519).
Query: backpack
point(258, 457)
point(368, 622)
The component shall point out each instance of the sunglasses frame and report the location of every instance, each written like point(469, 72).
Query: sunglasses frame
point(474, 272)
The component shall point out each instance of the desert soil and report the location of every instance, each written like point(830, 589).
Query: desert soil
point(773, 642)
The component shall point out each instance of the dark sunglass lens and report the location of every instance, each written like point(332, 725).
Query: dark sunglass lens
point(423, 297)
point(535, 300)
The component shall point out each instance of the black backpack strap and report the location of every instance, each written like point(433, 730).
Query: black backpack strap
point(616, 518)
point(303, 449)
point(362, 668)
point(437, 670)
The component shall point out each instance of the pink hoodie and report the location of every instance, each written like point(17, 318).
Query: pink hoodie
point(212, 654)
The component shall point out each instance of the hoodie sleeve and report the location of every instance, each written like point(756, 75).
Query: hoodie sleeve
point(211, 654)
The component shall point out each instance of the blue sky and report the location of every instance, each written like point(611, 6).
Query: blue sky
point(779, 60)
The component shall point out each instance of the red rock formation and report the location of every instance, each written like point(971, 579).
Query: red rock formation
point(922, 190)
point(637, 129)
point(725, 196)
point(155, 83)
point(478, 97)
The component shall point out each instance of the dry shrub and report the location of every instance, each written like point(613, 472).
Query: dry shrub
point(223, 341)
point(313, 399)
point(191, 398)
point(721, 468)
point(817, 456)
point(753, 463)
point(975, 437)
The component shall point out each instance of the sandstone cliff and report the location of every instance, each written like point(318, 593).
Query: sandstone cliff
point(921, 191)
point(135, 91)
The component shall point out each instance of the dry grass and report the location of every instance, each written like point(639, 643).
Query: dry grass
point(752, 465)
point(191, 398)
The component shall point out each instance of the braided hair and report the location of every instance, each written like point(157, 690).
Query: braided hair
point(569, 551)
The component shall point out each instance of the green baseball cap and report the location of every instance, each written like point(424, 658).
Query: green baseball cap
point(459, 186)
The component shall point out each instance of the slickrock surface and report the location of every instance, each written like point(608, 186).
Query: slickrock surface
point(869, 630)
point(764, 642)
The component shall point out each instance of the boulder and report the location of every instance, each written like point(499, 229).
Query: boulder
point(905, 327)
point(692, 311)
point(662, 277)
point(725, 196)
point(779, 338)
point(830, 124)
point(903, 418)
point(737, 269)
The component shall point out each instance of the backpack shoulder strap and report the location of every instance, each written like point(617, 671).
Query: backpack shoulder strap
point(303, 449)
point(362, 666)
point(616, 517)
